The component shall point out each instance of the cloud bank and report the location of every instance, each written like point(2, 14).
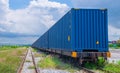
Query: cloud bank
point(35, 19)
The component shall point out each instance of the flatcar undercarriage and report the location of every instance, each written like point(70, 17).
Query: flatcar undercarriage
point(80, 57)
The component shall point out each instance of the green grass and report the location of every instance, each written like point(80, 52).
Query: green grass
point(28, 61)
point(100, 63)
point(8, 47)
point(118, 62)
point(31, 67)
point(34, 50)
point(3, 48)
point(90, 65)
point(113, 68)
point(10, 59)
point(114, 46)
point(55, 63)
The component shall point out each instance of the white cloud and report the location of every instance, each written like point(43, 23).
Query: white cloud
point(2, 30)
point(36, 18)
point(3, 10)
point(114, 33)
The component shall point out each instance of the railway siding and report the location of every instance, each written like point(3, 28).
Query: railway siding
point(28, 65)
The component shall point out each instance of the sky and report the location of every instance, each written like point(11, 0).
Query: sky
point(24, 21)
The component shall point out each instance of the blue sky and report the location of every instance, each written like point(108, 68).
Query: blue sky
point(15, 4)
point(24, 21)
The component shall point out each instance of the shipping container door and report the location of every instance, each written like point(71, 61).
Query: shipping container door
point(90, 30)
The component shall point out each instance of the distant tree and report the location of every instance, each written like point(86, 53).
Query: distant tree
point(118, 42)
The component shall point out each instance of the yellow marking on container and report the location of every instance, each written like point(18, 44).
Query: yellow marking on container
point(68, 38)
point(74, 54)
point(97, 42)
point(108, 54)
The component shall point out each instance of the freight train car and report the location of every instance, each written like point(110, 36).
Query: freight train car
point(80, 33)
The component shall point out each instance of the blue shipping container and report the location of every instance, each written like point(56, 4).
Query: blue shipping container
point(79, 30)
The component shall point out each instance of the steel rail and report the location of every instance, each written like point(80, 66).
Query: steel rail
point(85, 70)
point(33, 58)
point(22, 63)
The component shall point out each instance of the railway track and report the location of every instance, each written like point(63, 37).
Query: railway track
point(35, 65)
point(36, 70)
point(85, 70)
point(28, 61)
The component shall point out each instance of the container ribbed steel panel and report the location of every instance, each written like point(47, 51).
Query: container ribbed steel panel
point(90, 30)
point(78, 30)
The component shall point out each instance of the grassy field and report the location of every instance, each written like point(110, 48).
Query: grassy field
point(10, 58)
point(8, 47)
